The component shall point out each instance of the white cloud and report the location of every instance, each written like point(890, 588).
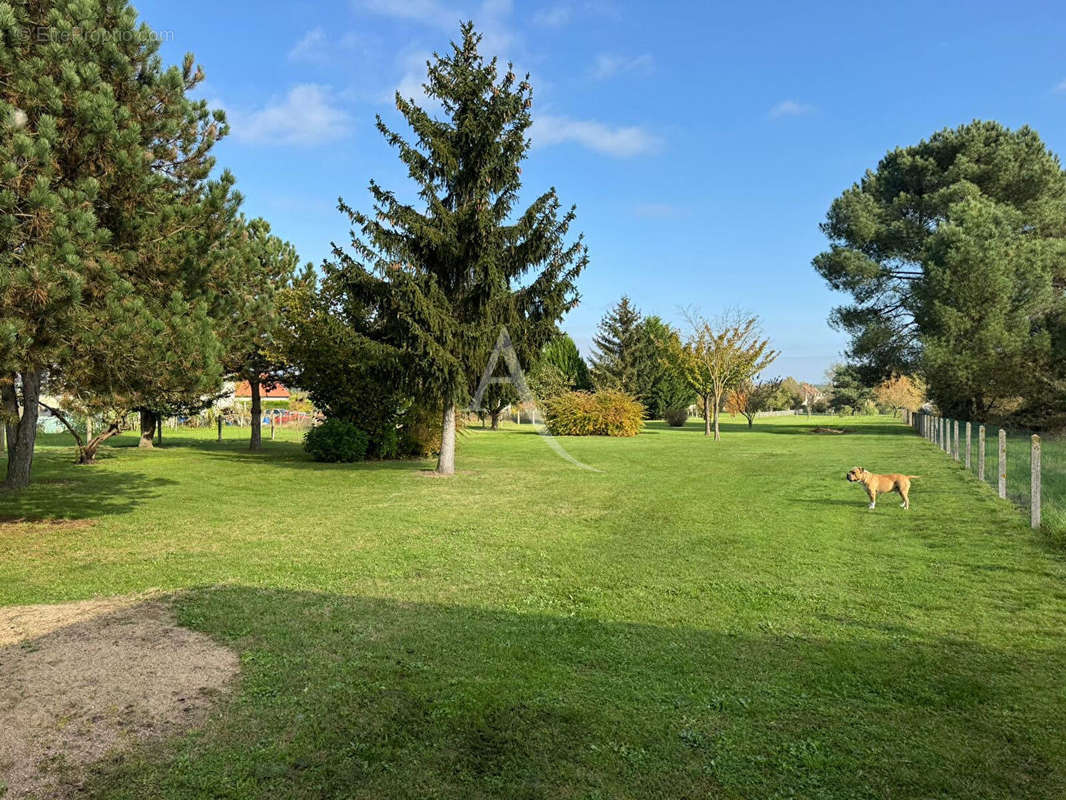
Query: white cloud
point(553, 16)
point(414, 76)
point(316, 46)
point(619, 142)
point(790, 108)
point(306, 116)
point(427, 12)
point(1061, 87)
point(608, 65)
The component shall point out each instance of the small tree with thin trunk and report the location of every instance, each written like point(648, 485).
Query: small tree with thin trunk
point(455, 269)
point(718, 357)
point(753, 396)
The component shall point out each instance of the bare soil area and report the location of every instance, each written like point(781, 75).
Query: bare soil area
point(81, 680)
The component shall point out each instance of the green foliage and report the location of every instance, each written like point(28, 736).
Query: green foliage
point(329, 341)
point(450, 273)
point(608, 412)
point(548, 381)
point(562, 353)
point(717, 357)
point(336, 440)
point(660, 382)
point(617, 344)
point(676, 417)
point(954, 253)
point(114, 246)
point(790, 395)
point(847, 390)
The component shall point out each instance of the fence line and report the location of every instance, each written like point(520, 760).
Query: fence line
point(945, 434)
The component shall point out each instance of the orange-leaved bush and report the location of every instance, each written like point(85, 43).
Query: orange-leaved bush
point(604, 413)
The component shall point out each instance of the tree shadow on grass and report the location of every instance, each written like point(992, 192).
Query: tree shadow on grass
point(372, 698)
point(60, 490)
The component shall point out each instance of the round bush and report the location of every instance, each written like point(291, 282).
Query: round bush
point(606, 413)
point(676, 417)
point(336, 440)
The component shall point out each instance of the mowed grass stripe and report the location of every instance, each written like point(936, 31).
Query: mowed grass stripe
point(698, 619)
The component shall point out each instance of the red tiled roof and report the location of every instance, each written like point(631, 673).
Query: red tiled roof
point(278, 392)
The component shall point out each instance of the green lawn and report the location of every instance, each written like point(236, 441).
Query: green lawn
point(697, 620)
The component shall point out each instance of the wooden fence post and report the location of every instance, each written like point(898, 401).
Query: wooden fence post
point(273, 417)
point(955, 445)
point(1002, 463)
point(968, 445)
point(1034, 483)
point(981, 452)
point(945, 440)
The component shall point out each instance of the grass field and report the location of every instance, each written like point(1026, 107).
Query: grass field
point(698, 619)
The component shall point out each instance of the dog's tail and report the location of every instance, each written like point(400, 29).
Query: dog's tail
point(914, 477)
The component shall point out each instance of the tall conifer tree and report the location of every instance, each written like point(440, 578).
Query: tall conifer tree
point(617, 348)
point(460, 264)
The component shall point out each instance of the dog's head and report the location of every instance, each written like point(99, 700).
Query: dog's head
point(856, 475)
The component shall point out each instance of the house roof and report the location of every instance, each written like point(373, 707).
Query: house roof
point(277, 392)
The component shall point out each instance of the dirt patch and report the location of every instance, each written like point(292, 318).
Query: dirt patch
point(81, 680)
point(829, 430)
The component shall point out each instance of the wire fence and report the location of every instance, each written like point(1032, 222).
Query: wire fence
point(1025, 468)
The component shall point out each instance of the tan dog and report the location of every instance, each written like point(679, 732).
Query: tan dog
point(882, 484)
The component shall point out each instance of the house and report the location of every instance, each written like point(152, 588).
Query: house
point(242, 393)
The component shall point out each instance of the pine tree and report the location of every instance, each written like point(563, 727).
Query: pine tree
point(455, 270)
point(962, 227)
point(265, 267)
point(108, 221)
point(615, 358)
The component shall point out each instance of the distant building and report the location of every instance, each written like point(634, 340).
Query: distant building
point(242, 392)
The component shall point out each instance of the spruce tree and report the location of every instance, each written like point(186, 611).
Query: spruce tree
point(460, 264)
point(617, 345)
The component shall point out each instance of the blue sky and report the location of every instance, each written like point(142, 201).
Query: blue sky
point(701, 142)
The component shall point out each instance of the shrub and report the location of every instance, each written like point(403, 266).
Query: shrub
point(676, 417)
point(605, 413)
point(336, 440)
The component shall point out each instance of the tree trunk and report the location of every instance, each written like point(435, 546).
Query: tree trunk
point(147, 429)
point(706, 415)
point(256, 442)
point(495, 416)
point(87, 454)
point(717, 435)
point(446, 460)
point(159, 431)
point(219, 421)
point(20, 457)
point(11, 414)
